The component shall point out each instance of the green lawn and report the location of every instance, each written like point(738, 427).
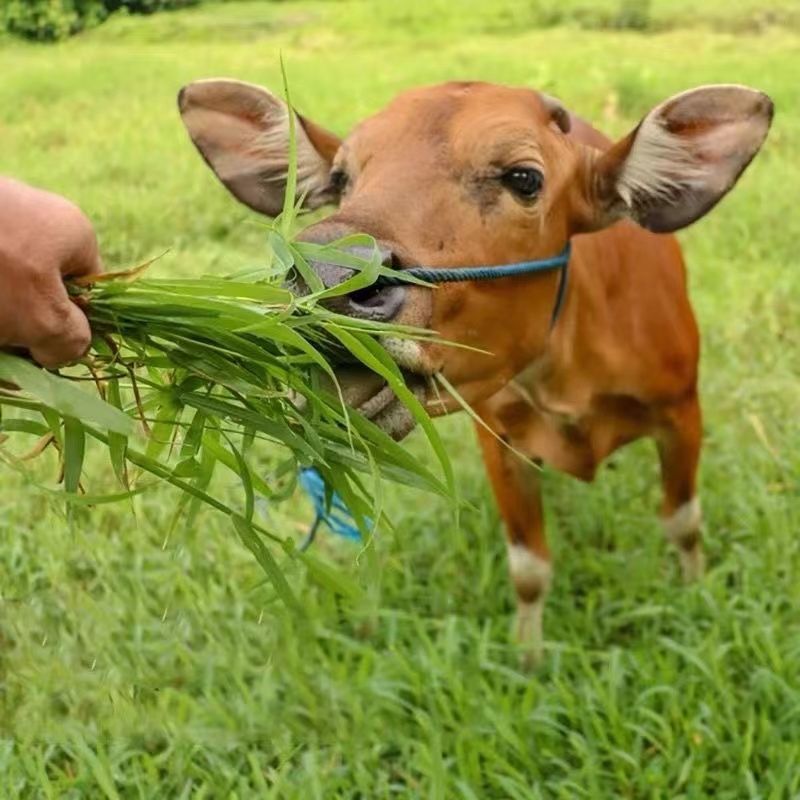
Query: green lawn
point(135, 662)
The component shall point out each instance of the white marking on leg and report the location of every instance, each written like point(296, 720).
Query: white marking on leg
point(531, 575)
point(686, 519)
point(682, 529)
point(528, 571)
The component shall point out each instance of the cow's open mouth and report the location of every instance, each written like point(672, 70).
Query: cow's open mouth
point(372, 396)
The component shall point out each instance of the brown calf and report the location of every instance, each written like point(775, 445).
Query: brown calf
point(471, 173)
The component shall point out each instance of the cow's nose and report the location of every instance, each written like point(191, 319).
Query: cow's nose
point(376, 302)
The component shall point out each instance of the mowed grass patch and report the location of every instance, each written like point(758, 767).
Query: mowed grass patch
point(134, 663)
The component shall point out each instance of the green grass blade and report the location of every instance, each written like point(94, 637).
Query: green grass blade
point(62, 395)
point(117, 443)
point(375, 357)
point(74, 452)
point(268, 563)
point(230, 461)
point(243, 471)
point(290, 194)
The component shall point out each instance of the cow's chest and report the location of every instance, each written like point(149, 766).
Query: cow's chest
point(564, 425)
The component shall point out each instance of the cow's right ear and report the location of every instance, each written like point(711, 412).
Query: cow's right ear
point(242, 132)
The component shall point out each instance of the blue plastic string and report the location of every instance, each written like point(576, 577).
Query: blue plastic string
point(337, 516)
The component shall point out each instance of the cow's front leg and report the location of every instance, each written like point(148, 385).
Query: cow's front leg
point(516, 487)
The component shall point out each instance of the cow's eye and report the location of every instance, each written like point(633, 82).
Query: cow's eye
point(525, 182)
point(339, 180)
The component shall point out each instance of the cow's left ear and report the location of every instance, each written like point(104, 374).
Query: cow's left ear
point(242, 132)
point(683, 157)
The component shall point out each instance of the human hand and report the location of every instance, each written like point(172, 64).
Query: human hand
point(44, 238)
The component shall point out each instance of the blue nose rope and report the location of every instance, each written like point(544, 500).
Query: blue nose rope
point(492, 273)
point(338, 517)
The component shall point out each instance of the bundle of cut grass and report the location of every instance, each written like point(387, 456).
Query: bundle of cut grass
point(204, 369)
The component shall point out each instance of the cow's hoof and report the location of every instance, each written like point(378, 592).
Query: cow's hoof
point(531, 658)
point(693, 563)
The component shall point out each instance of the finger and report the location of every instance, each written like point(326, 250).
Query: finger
point(83, 256)
point(64, 341)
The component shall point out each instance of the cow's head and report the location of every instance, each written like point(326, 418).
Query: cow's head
point(471, 173)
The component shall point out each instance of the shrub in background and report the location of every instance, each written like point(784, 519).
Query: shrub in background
point(147, 6)
point(52, 20)
point(48, 20)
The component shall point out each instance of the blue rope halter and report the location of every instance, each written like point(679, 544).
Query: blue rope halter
point(337, 516)
point(492, 273)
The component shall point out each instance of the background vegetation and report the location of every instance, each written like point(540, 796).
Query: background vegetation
point(51, 20)
point(135, 662)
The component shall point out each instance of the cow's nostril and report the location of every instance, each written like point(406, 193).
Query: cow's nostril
point(370, 295)
point(377, 302)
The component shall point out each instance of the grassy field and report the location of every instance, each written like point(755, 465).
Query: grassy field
point(134, 663)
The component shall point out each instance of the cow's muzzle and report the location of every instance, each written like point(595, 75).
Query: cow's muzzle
point(377, 302)
point(362, 388)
